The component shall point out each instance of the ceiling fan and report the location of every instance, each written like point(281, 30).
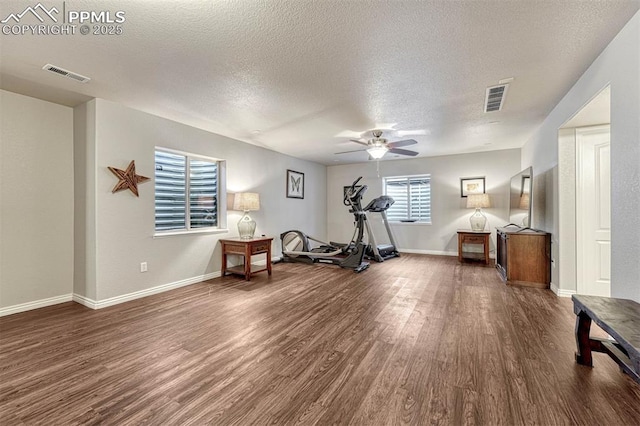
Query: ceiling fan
point(378, 146)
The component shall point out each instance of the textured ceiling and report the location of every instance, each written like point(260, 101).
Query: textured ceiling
point(294, 75)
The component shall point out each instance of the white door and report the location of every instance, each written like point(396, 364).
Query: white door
point(593, 211)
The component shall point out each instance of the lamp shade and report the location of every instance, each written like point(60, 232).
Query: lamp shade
point(475, 201)
point(377, 152)
point(246, 201)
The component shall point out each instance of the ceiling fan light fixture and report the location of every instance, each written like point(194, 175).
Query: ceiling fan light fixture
point(377, 152)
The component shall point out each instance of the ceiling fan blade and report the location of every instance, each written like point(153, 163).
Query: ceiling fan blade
point(360, 142)
point(403, 152)
point(347, 152)
point(405, 142)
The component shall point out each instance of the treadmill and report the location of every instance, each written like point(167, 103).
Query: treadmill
point(375, 251)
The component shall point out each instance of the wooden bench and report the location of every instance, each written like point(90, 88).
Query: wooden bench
point(618, 317)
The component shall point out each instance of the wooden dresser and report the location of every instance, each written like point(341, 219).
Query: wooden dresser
point(524, 257)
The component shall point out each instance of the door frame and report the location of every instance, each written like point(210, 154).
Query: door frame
point(564, 265)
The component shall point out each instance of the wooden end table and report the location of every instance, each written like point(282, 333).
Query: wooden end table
point(467, 236)
point(246, 248)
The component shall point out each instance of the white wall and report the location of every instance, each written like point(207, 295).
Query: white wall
point(84, 135)
point(449, 212)
point(565, 214)
point(36, 201)
point(618, 65)
point(124, 230)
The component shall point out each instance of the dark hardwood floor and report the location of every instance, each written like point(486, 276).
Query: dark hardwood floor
point(414, 340)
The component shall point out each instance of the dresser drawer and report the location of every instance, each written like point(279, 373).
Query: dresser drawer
point(473, 239)
point(232, 248)
point(260, 248)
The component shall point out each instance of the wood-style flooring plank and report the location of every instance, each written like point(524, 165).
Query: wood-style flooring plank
point(415, 340)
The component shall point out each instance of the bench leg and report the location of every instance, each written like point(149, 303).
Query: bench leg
point(583, 326)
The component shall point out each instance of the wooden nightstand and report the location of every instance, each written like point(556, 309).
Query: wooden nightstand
point(468, 237)
point(246, 248)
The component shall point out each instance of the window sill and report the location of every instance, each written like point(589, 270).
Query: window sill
point(192, 232)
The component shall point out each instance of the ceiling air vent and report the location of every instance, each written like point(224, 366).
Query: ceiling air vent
point(494, 97)
point(66, 73)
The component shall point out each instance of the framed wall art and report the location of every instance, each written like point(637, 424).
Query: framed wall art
point(295, 184)
point(471, 186)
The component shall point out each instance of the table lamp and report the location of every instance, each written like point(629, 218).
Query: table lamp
point(246, 201)
point(477, 201)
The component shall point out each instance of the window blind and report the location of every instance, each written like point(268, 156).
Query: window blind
point(175, 176)
point(412, 196)
point(171, 187)
point(203, 184)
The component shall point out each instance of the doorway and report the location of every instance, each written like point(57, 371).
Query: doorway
point(584, 203)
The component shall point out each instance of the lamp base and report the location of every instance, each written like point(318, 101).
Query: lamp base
point(478, 220)
point(246, 227)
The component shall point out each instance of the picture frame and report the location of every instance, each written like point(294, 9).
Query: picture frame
point(295, 184)
point(474, 185)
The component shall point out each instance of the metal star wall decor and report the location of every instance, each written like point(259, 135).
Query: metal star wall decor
point(128, 178)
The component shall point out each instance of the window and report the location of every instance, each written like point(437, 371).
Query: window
point(187, 193)
point(412, 196)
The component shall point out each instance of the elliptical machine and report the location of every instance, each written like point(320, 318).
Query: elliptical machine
point(296, 246)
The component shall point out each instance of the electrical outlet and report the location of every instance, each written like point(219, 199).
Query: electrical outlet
point(143, 267)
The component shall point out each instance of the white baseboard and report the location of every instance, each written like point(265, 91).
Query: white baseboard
point(99, 304)
point(436, 252)
point(561, 292)
point(89, 303)
point(23, 307)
